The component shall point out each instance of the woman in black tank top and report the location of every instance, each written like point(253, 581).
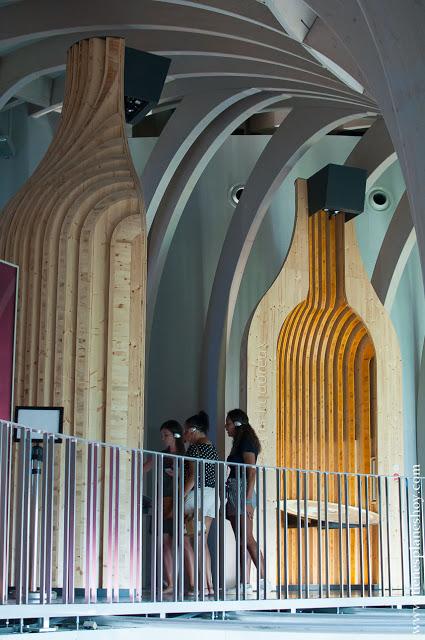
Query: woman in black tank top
point(245, 450)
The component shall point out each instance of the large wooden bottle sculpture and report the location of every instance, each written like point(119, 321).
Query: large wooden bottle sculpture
point(326, 392)
point(77, 230)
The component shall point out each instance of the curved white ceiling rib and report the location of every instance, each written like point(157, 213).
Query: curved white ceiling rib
point(399, 267)
point(389, 49)
point(323, 41)
point(191, 53)
point(248, 10)
point(181, 40)
point(189, 120)
point(230, 59)
point(201, 64)
point(271, 55)
point(182, 182)
point(184, 86)
point(251, 53)
point(205, 67)
point(374, 152)
point(395, 250)
point(47, 17)
point(49, 55)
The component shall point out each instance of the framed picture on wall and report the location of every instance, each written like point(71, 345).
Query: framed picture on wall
point(9, 274)
point(45, 418)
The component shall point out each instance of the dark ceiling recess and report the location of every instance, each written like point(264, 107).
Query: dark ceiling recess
point(357, 127)
point(152, 127)
point(263, 123)
point(144, 77)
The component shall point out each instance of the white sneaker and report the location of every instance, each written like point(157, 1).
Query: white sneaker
point(232, 590)
point(263, 587)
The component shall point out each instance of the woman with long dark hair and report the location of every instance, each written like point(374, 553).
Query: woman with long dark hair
point(245, 450)
point(200, 446)
point(172, 437)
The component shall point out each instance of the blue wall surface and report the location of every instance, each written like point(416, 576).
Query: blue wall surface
point(174, 364)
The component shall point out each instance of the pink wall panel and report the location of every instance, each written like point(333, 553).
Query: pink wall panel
point(8, 286)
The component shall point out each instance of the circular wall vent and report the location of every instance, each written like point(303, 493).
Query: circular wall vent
point(379, 199)
point(235, 193)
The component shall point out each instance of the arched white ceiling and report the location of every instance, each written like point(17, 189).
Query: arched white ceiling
point(231, 59)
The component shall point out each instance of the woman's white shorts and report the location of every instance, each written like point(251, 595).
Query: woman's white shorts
point(209, 502)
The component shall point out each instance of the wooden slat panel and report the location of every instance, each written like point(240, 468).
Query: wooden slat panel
point(59, 229)
point(331, 384)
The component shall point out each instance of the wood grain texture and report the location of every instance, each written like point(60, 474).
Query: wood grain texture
point(325, 386)
point(334, 354)
point(77, 230)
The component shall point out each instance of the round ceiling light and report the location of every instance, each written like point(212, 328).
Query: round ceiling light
point(235, 193)
point(379, 199)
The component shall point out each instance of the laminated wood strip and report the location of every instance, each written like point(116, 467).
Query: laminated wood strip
point(376, 375)
point(60, 230)
point(317, 376)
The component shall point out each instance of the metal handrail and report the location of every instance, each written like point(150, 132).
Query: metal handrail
point(100, 443)
point(75, 530)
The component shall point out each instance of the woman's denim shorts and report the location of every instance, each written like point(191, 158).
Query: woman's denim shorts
point(232, 497)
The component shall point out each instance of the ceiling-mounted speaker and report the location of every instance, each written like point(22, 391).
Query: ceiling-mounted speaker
point(337, 189)
point(144, 78)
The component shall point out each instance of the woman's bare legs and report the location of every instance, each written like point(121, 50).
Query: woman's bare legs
point(189, 562)
point(168, 562)
point(251, 544)
point(208, 571)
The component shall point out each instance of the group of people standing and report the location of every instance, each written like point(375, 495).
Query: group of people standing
point(245, 449)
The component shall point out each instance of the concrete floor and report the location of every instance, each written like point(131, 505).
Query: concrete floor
point(352, 623)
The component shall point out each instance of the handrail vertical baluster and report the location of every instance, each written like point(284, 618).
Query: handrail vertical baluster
point(361, 550)
point(257, 474)
point(400, 507)
point(116, 582)
point(133, 519)
point(319, 533)
point(22, 520)
point(299, 547)
point(264, 488)
point(154, 537)
point(381, 540)
point(5, 483)
point(109, 452)
point(327, 559)
point(285, 532)
point(347, 534)
point(160, 526)
point(278, 536)
point(306, 541)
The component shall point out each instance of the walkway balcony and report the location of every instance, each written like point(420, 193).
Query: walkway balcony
point(82, 530)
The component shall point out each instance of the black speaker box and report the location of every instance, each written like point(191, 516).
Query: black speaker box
point(337, 188)
point(144, 78)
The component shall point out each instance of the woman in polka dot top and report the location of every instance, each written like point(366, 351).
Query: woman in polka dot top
point(195, 434)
